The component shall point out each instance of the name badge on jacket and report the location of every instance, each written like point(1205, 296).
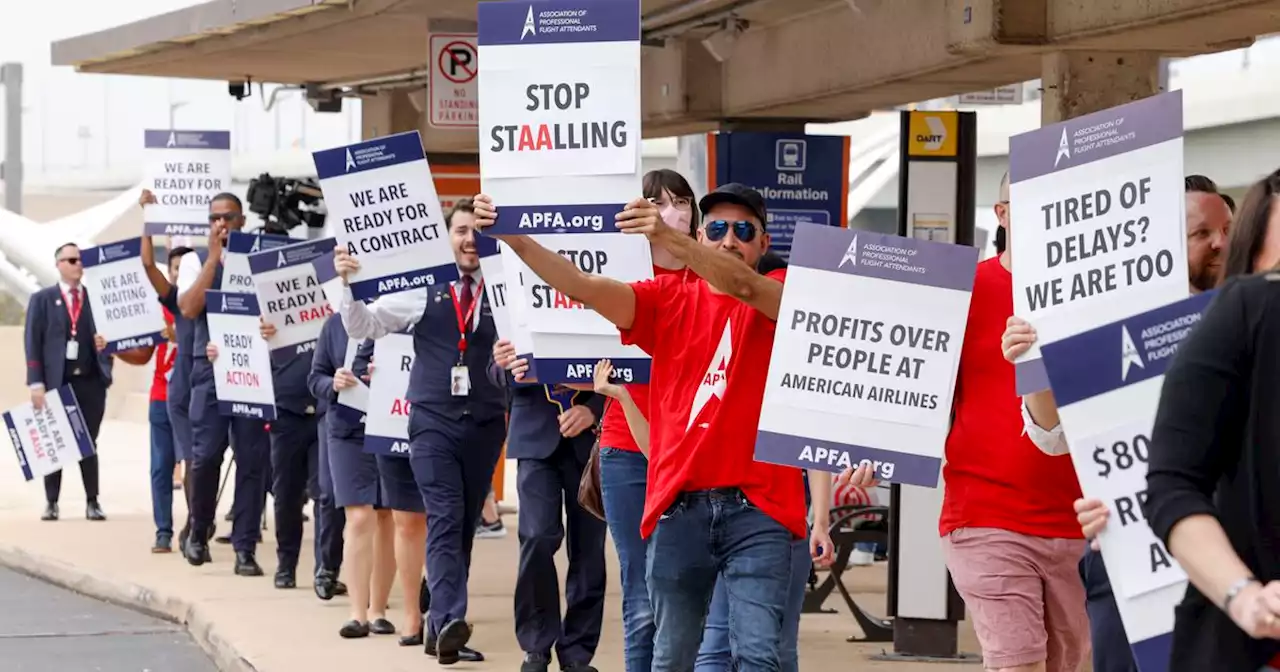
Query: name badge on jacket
point(73, 350)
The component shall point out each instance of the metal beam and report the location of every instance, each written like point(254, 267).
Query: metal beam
point(11, 173)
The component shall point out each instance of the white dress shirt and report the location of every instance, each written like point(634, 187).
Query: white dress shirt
point(1049, 441)
point(393, 313)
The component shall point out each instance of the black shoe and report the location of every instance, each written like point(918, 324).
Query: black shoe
point(416, 640)
point(578, 667)
point(535, 662)
point(50, 512)
point(183, 535)
point(339, 588)
point(246, 564)
point(381, 626)
point(94, 512)
point(451, 641)
point(286, 579)
point(197, 551)
point(326, 585)
point(424, 597)
point(224, 539)
point(465, 655)
point(354, 630)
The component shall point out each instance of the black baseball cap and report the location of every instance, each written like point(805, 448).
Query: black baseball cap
point(737, 194)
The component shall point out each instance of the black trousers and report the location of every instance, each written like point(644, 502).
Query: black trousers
point(91, 395)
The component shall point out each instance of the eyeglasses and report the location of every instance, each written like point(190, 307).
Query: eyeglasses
point(224, 216)
point(742, 230)
point(71, 260)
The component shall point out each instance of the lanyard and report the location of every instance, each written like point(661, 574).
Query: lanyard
point(464, 321)
point(73, 312)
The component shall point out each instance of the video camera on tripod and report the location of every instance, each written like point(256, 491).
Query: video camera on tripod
point(286, 202)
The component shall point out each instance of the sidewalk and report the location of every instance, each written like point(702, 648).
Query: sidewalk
point(246, 624)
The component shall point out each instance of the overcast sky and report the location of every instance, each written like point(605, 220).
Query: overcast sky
point(73, 120)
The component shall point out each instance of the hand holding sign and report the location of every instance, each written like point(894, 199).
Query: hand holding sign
point(1092, 515)
point(642, 216)
point(37, 398)
point(1018, 337)
point(1255, 610)
point(575, 421)
point(210, 351)
point(345, 264)
point(864, 476)
point(344, 379)
point(504, 353)
point(602, 382)
point(99, 343)
point(146, 198)
point(486, 212)
point(266, 329)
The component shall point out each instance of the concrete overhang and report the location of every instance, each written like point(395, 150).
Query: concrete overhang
point(710, 61)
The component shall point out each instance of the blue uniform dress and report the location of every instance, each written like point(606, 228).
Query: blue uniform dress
point(455, 432)
point(353, 472)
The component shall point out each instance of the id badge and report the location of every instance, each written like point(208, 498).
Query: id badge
point(73, 349)
point(460, 381)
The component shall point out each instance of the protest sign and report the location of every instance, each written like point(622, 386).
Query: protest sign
point(291, 296)
point(384, 205)
point(1107, 383)
point(236, 274)
point(386, 430)
point(352, 401)
point(185, 170)
point(1097, 210)
point(51, 438)
point(498, 290)
point(126, 310)
point(242, 371)
point(869, 380)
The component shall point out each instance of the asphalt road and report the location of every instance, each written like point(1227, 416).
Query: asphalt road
point(46, 629)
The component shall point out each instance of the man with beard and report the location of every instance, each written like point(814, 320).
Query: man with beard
point(1208, 218)
point(456, 422)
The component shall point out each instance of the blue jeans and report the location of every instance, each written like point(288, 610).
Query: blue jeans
point(718, 535)
point(623, 476)
point(163, 458)
point(715, 655)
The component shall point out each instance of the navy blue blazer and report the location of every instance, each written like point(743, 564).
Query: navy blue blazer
point(46, 338)
point(534, 429)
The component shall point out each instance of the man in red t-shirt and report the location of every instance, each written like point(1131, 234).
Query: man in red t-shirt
point(1008, 529)
point(711, 511)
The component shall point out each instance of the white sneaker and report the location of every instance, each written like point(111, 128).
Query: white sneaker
point(861, 558)
point(494, 530)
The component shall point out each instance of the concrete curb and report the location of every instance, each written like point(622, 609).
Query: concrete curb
point(131, 596)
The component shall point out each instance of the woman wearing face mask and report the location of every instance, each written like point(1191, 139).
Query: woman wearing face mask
point(623, 467)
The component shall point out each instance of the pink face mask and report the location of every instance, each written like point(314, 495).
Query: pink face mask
point(675, 217)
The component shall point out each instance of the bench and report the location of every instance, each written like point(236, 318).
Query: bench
point(844, 535)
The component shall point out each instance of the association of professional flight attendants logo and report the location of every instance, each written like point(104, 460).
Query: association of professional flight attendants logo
point(351, 162)
point(713, 381)
point(850, 255)
point(530, 28)
point(1129, 355)
point(1064, 149)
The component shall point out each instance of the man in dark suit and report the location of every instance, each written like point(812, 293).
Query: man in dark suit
point(456, 422)
point(62, 350)
point(551, 434)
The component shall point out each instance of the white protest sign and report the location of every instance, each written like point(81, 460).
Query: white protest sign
point(126, 311)
point(497, 289)
point(353, 400)
point(237, 277)
point(51, 438)
point(291, 296)
point(185, 170)
point(868, 380)
point(452, 87)
point(385, 211)
point(242, 371)
point(1107, 383)
point(1097, 209)
point(386, 430)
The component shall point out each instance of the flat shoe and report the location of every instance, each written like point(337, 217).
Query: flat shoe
point(354, 630)
point(381, 626)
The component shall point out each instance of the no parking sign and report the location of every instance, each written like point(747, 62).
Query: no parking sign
point(454, 65)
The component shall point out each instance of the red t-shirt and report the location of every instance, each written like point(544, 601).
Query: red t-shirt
point(995, 476)
point(614, 431)
point(164, 354)
point(710, 352)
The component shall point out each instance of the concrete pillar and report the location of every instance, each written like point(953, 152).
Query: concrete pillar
point(388, 112)
point(1077, 83)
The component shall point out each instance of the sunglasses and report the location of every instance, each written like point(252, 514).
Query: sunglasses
point(742, 230)
point(71, 260)
point(224, 216)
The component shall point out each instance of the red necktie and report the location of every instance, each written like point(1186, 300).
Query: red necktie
point(75, 302)
point(466, 298)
